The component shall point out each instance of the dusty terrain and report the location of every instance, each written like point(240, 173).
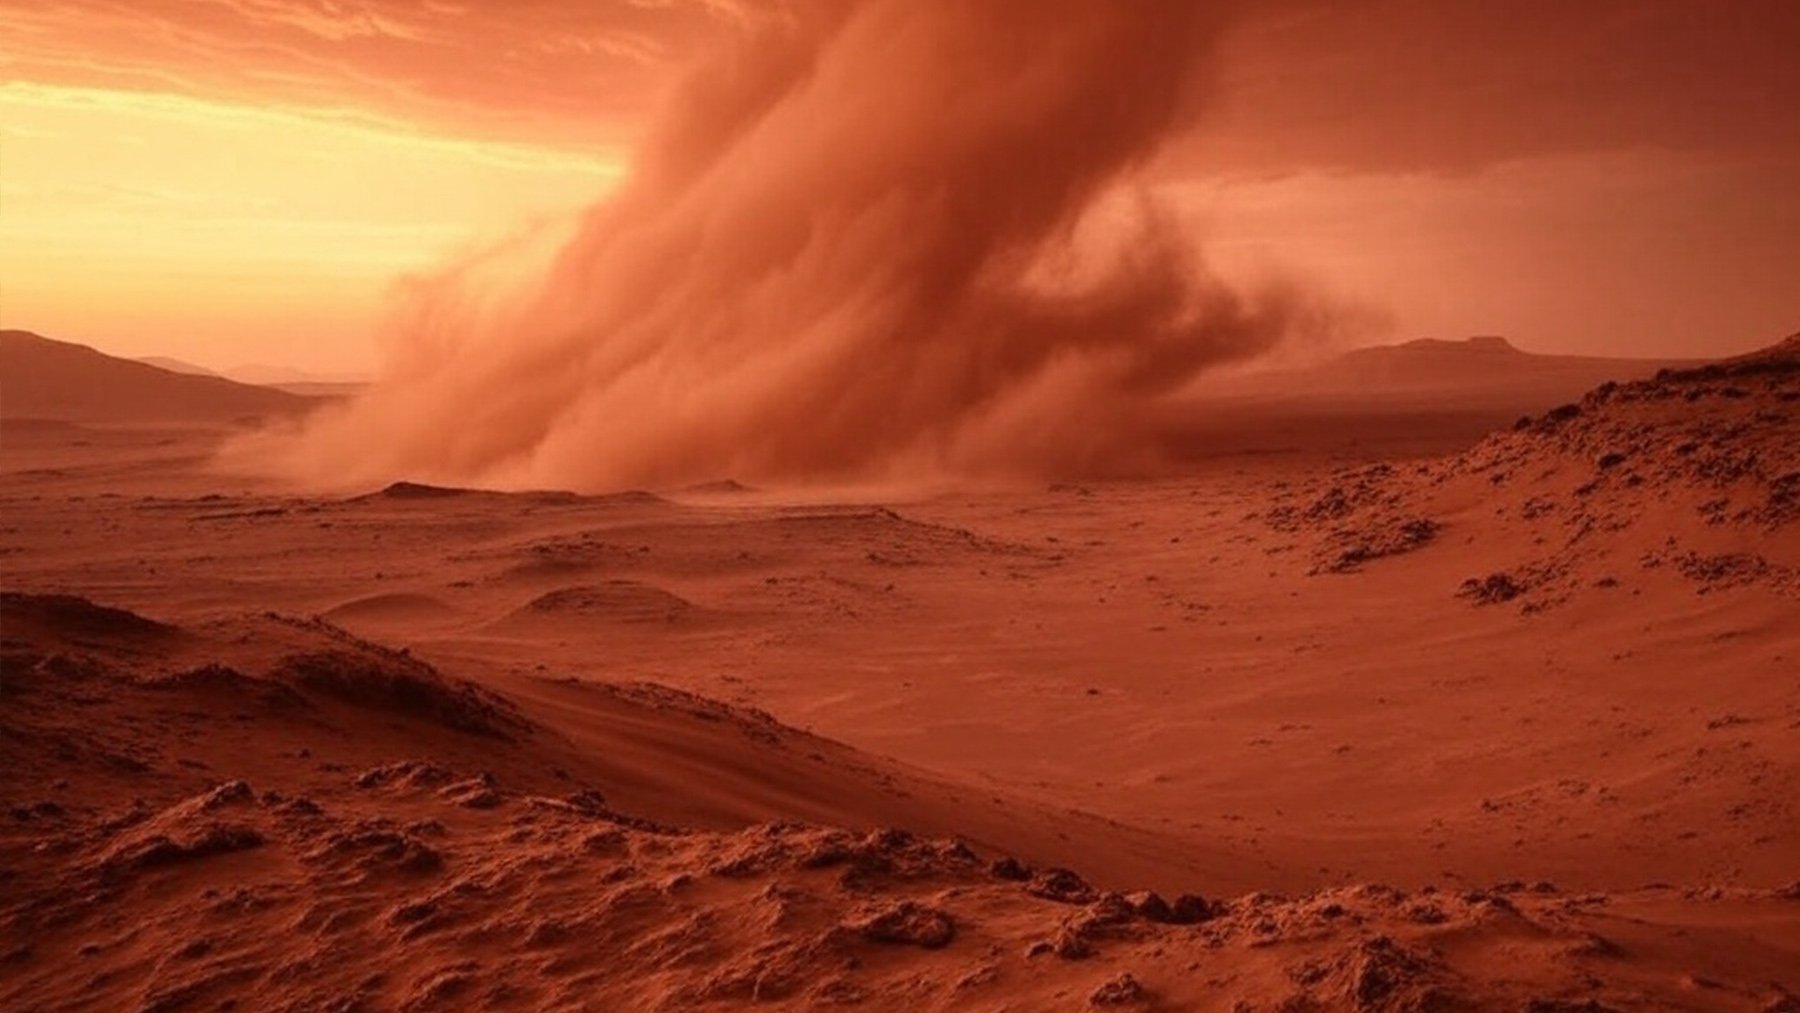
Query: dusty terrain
point(1390, 715)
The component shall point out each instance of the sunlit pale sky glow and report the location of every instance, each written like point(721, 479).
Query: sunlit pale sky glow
point(243, 232)
point(243, 181)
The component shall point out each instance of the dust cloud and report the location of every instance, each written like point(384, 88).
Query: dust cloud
point(863, 241)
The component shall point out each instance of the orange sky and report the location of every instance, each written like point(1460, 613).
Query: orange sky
point(238, 181)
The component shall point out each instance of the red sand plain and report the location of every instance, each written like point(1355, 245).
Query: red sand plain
point(1359, 708)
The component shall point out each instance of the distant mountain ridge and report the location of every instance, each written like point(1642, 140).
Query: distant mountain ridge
point(264, 375)
point(42, 378)
point(1482, 360)
point(1479, 370)
point(175, 365)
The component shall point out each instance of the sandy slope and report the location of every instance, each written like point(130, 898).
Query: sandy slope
point(492, 771)
point(45, 379)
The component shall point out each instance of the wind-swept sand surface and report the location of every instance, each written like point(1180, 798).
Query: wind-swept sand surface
point(1515, 725)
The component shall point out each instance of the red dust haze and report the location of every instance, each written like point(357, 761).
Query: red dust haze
point(1455, 672)
point(862, 240)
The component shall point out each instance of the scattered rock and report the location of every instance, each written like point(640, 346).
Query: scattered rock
point(906, 922)
point(1380, 969)
point(149, 851)
point(1150, 906)
point(1190, 909)
point(1120, 990)
point(1384, 537)
point(1010, 868)
point(477, 792)
point(1542, 1005)
point(1493, 589)
point(373, 846)
point(1060, 885)
point(404, 774)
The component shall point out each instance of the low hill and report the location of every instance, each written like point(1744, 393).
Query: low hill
point(46, 379)
point(1695, 471)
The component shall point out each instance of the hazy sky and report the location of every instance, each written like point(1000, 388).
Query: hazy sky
point(238, 181)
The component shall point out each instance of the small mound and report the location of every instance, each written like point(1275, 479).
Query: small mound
point(411, 491)
point(724, 486)
point(619, 601)
point(630, 497)
point(394, 607)
point(1492, 344)
point(884, 536)
point(418, 490)
point(77, 620)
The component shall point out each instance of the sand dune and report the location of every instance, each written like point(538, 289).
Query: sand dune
point(59, 380)
point(392, 810)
